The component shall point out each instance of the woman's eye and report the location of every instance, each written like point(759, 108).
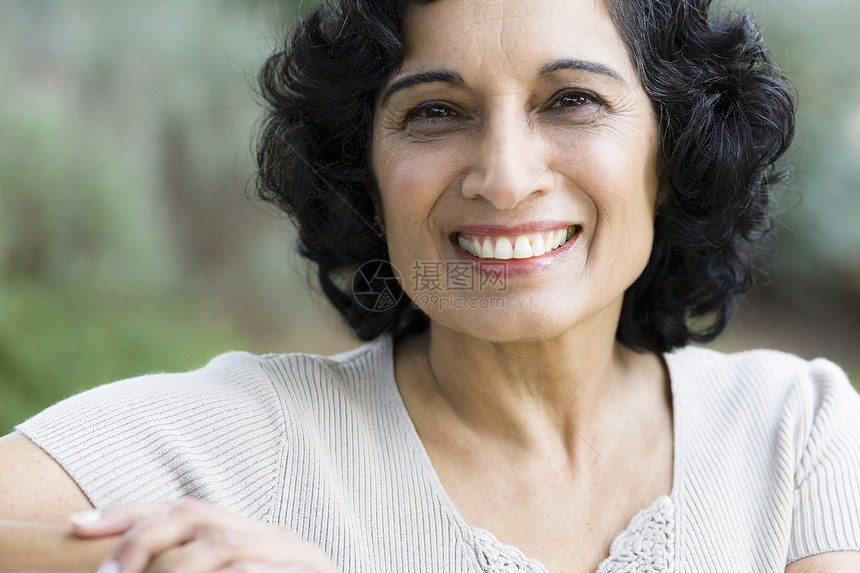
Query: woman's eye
point(434, 118)
point(574, 99)
point(431, 111)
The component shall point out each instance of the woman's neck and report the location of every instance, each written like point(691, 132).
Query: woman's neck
point(566, 392)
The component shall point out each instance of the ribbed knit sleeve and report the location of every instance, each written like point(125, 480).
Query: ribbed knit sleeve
point(767, 460)
point(826, 515)
point(214, 434)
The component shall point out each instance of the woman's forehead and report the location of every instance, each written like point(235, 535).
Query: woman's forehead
point(519, 35)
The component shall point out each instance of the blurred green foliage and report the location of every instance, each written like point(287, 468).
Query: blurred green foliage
point(127, 244)
point(57, 341)
point(810, 302)
point(123, 164)
point(816, 44)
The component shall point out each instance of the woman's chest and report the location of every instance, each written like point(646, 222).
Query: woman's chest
point(572, 533)
point(646, 545)
point(566, 522)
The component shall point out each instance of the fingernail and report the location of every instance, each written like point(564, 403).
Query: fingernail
point(109, 567)
point(86, 517)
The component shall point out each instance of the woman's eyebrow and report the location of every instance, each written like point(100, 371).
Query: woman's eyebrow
point(421, 78)
point(584, 65)
point(452, 78)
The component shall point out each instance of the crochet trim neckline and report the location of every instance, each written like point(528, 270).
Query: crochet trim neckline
point(647, 545)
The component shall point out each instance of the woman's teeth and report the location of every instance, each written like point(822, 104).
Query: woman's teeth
point(516, 247)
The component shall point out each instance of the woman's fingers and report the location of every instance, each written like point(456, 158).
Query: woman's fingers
point(170, 528)
point(253, 547)
point(112, 520)
point(195, 537)
point(246, 567)
point(281, 550)
point(214, 548)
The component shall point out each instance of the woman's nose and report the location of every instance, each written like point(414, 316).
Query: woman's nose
point(509, 164)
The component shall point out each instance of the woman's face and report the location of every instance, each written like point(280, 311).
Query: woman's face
point(516, 159)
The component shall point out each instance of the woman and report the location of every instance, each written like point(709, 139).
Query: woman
point(544, 201)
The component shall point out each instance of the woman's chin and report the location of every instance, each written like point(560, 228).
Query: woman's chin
point(499, 319)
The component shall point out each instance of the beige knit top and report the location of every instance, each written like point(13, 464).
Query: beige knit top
point(766, 467)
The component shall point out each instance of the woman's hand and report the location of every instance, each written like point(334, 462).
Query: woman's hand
point(195, 537)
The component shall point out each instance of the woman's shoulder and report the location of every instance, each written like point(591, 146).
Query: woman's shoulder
point(164, 436)
point(232, 383)
point(759, 395)
point(170, 397)
point(169, 436)
point(368, 362)
point(362, 377)
point(755, 374)
point(764, 439)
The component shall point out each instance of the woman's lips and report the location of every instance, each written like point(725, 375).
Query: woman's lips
point(506, 246)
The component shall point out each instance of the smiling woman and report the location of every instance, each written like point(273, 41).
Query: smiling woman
point(549, 200)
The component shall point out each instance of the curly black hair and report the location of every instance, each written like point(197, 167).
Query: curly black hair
point(725, 112)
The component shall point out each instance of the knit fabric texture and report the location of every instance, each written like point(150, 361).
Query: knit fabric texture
point(766, 461)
